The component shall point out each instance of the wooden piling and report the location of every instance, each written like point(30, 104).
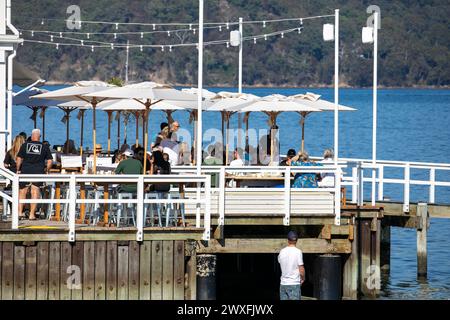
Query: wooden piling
point(385, 248)
point(351, 274)
point(422, 229)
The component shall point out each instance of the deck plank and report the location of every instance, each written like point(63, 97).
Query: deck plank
point(156, 287)
point(77, 262)
point(167, 271)
point(178, 270)
point(30, 272)
point(122, 273)
point(89, 271)
point(145, 270)
point(100, 270)
point(19, 272)
point(54, 264)
point(66, 262)
point(8, 271)
point(133, 271)
point(42, 270)
point(111, 270)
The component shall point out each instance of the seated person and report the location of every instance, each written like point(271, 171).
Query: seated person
point(160, 166)
point(129, 166)
point(327, 179)
point(211, 158)
point(69, 147)
point(287, 162)
point(237, 158)
point(304, 180)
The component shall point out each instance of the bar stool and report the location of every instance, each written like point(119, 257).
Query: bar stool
point(6, 206)
point(153, 207)
point(174, 210)
point(129, 208)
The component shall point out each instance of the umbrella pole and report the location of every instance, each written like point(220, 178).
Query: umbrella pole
point(109, 132)
point(144, 125)
point(223, 127)
point(34, 117)
point(147, 107)
point(194, 159)
point(118, 130)
point(67, 130)
point(94, 133)
point(227, 149)
point(82, 132)
point(43, 122)
point(303, 130)
point(247, 147)
point(136, 115)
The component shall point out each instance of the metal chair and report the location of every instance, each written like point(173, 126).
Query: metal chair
point(129, 208)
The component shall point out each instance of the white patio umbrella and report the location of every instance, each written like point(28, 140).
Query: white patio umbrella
point(25, 99)
point(228, 103)
point(148, 94)
point(273, 105)
point(313, 100)
point(79, 92)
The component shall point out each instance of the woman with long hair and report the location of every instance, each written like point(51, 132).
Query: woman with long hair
point(10, 157)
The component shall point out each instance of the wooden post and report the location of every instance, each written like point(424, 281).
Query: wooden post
point(422, 228)
point(351, 274)
point(385, 258)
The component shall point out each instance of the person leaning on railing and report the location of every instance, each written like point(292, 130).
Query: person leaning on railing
point(34, 157)
point(305, 180)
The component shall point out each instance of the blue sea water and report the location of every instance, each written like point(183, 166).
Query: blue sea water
point(413, 125)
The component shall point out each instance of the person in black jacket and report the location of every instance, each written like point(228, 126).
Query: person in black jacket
point(10, 157)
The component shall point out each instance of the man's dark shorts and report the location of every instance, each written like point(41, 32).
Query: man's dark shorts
point(23, 185)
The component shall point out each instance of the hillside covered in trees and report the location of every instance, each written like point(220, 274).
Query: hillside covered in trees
point(414, 45)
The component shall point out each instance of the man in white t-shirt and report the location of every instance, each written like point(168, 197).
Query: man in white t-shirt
point(292, 269)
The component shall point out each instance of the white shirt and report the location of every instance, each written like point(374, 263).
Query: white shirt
point(327, 178)
point(290, 258)
point(173, 156)
point(237, 163)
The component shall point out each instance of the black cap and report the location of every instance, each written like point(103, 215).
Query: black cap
point(291, 153)
point(292, 236)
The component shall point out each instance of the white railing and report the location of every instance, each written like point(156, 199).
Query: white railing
point(357, 179)
point(225, 171)
point(73, 198)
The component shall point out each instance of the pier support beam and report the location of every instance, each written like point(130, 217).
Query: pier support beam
point(369, 251)
point(206, 277)
point(327, 277)
point(422, 229)
point(351, 281)
point(385, 259)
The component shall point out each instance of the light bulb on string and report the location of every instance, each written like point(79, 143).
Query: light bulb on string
point(51, 38)
point(265, 37)
point(117, 26)
point(193, 31)
point(228, 44)
point(282, 35)
point(57, 46)
point(141, 48)
point(228, 26)
point(42, 22)
point(154, 27)
point(264, 24)
point(112, 46)
point(254, 40)
point(92, 48)
point(115, 35)
point(60, 35)
point(142, 35)
point(220, 28)
point(168, 33)
point(162, 48)
point(88, 35)
point(299, 30)
point(190, 26)
point(20, 33)
point(301, 22)
point(170, 48)
point(196, 46)
point(32, 33)
point(82, 42)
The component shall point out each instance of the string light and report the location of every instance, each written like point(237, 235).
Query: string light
point(228, 44)
point(264, 24)
point(141, 48)
point(228, 26)
point(282, 35)
point(168, 33)
point(42, 22)
point(51, 38)
point(82, 42)
point(170, 48)
point(190, 26)
point(60, 35)
point(117, 26)
point(162, 48)
point(32, 33)
point(142, 35)
point(193, 31)
point(154, 26)
point(92, 48)
point(220, 28)
point(265, 37)
point(57, 46)
point(254, 40)
point(115, 35)
point(112, 46)
point(299, 30)
point(87, 35)
point(301, 21)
